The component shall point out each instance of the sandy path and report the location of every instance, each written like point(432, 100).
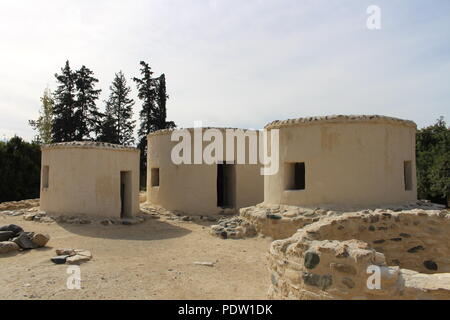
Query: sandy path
point(152, 260)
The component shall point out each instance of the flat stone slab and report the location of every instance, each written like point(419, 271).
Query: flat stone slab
point(77, 259)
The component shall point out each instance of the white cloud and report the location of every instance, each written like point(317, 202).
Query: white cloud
point(234, 63)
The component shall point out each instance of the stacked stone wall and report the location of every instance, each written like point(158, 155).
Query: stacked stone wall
point(335, 257)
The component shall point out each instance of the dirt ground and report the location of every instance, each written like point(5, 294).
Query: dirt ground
point(151, 260)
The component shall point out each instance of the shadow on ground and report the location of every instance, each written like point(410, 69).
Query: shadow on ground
point(23, 252)
point(148, 230)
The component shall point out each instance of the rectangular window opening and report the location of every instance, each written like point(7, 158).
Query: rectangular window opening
point(155, 177)
point(407, 174)
point(295, 176)
point(45, 172)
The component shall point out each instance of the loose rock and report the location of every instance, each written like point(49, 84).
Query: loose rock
point(8, 246)
point(12, 227)
point(40, 239)
point(24, 240)
point(68, 252)
point(59, 259)
point(77, 259)
point(6, 235)
point(205, 263)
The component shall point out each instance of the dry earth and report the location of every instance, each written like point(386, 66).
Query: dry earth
point(151, 260)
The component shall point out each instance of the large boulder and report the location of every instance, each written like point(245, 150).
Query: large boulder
point(6, 235)
point(8, 246)
point(12, 227)
point(25, 240)
point(40, 239)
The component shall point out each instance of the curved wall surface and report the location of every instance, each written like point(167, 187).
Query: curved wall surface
point(193, 188)
point(344, 161)
point(90, 178)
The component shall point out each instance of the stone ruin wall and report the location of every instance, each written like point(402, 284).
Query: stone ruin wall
point(329, 259)
point(280, 221)
point(283, 221)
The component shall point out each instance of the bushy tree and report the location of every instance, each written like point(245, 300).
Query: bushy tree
point(433, 162)
point(118, 125)
point(43, 124)
point(20, 164)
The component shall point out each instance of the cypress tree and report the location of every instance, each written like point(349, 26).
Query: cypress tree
point(152, 92)
point(161, 99)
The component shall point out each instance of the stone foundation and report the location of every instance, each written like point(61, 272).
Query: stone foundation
point(279, 221)
point(282, 221)
point(329, 259)
point(233, 228)
point(16, 205)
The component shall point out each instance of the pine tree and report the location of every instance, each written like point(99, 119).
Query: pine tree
point(152, 92)
point(63, 128)
point(87, 117)
point(108, 131)
point(43, 124)
point(118, 125)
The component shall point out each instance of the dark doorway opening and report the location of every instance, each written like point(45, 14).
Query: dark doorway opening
point(226, 185)
point(295, 176)
point(125, 194)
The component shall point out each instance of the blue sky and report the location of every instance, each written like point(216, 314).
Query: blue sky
point(235, 63)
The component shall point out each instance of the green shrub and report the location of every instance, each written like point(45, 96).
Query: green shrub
point(433, 162)
point(20, 166)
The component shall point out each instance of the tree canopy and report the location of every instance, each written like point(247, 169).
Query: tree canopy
point(118, 126)
point(75, 113)
point(153, 114)
point(433, 162)
point(43, 124)
point(20, 167)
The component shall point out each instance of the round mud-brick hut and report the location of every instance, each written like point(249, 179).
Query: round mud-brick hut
point(198, 185)
point(343, 162)
point(90, 178)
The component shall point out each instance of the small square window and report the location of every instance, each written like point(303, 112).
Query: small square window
point(155, 177)
point(45, 172)
point(295, 176)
